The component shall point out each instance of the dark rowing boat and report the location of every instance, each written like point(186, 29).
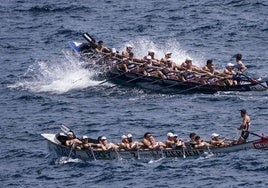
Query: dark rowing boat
point(84, 50)
point(55, 146)
point(174, 86)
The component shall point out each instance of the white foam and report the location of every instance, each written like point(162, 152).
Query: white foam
point(142, 45)
point(58, 75)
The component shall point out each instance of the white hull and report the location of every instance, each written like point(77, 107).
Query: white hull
point(60, 150)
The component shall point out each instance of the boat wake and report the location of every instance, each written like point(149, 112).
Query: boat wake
point(65, 160)
point(206, 155)
point(155, 160)
point(58, 75)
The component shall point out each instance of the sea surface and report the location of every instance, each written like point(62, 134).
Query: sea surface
point(43, 85)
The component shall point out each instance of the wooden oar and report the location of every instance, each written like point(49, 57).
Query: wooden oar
point(135, 78)
point(65, 129)
point(89, 38)
point(255, 134)
point(112, 78)
point(149, 76)
point(69, 156)
point(177, 82)
point(255, 81)
point(160, 79)
point(122, 61)
point(199, 86)
point(192, 88)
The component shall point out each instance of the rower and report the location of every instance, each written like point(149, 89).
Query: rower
point(171, 71)
point(150, 143)
point(101, 48)
point(124, 145)
point(152, 70)
point(240, 65)
point(200, 143)
point(216, 141)
point(230, 73)
point(85, 144)
point(193, 73)
point(72, 141)
point(128, 49)
point(214, 76)
point(132, 144)
point(107, 145)
point(210, 67)
point(244, 127)
point(170, 140)
point(114, 58)
point(192, 141)
point(178, 143)
point(167, 56)
point(152, 54)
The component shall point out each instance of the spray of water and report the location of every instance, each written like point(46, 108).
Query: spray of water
point(62, 74)
point(142, 45)
point(58, 75)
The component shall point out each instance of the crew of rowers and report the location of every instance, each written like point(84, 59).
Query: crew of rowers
point(165, 68)
point(148, 142)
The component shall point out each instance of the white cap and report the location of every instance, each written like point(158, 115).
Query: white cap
point(113, 50)
point(175, 135)
point(230, 64)
point(169, 59)
point(168, 53)
point(214, 135)
point(189, 59)
point(129, 135)
point(124, 136)
point(103, 138)
point(151, 51)
point(170, 134)
point(148, 57)
point(129, 46)
point(84, 137)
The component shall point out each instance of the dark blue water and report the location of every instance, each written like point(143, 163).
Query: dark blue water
point(43, 85)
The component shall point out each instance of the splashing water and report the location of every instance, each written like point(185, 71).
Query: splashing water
point(142, 45)
point(65, 160)
point(57, 76)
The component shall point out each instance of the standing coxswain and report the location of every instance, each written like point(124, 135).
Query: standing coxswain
point(240, 65)
point(244, 127)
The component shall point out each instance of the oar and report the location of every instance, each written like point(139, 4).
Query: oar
point(192, 88)
point(122, 61)
point(198, 86)
point(70, 152)
point(255, 81)
point(112, 78)
point(183, 152)
point(65, 129)
point(144, 76)
point(89, 38)
point(255, 134)
point(172, 85)
point(135, 78)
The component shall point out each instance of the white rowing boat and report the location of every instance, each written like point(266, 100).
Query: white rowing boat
point(60, 150)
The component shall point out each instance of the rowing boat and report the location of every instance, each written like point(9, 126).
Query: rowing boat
point(174, 86)
point(54, 146)
point(157, 84)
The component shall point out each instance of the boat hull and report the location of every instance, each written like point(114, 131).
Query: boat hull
point(173, 86)
point(60, 150)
